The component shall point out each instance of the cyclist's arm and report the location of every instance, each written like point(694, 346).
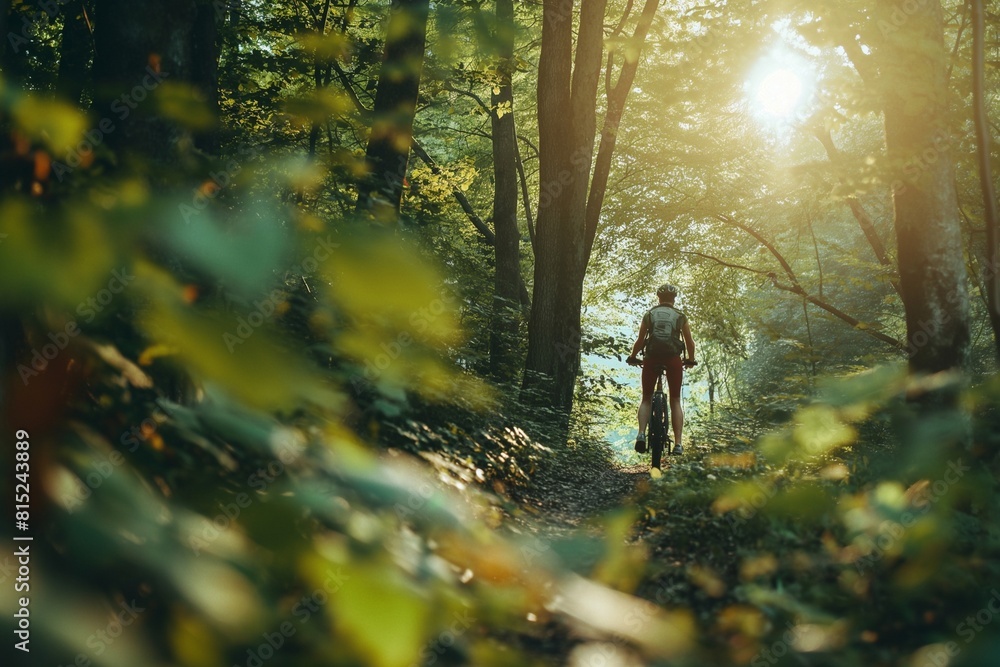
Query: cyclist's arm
point(641, 340)
point(688, 340)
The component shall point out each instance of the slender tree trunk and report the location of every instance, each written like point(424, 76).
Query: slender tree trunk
point(381, 192)
point(206, 50)
point(507, 246)
point(983, 142)
point(319, 81)
point(75, 51)
point(617, 95)
point(932, 272)
point(13, 44)
point(711, 390)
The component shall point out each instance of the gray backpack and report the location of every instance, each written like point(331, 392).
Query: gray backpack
point(665, 327)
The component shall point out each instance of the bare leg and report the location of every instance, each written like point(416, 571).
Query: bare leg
point(645, 411)
point(677, 418)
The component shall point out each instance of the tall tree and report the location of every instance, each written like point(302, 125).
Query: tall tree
point(991, 216)
point(567, 119)
point(570, 202)
point(138, 46)
point(14, 37)
point(507, 247)
point(932, 272)
point(75, 50)
point(388, 152)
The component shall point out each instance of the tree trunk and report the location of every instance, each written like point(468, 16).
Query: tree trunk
point(13, 44)
point(319, 80)
point(381, 193)
point(567, 121)
point(507, 247)
point(711, 390)
point(570, 199)
point(75, 51)
point(932, 273)
point(206, 51)
point(137, 46)
point(617, 95)
point(991, 274)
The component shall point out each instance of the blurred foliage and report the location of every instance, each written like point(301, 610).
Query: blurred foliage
point(261, 431)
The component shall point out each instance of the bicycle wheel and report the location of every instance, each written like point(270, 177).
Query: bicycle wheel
point(658, 428)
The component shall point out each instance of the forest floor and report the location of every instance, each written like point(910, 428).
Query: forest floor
point(592, 506)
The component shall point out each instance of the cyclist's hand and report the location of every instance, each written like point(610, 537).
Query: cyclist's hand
point(633, 361)
point(690, 363)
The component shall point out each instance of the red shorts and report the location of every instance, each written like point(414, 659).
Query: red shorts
point(651, 370)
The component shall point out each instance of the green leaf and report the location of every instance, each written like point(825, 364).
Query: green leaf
point(381, 614)
point(245, 255)
point(185, 104)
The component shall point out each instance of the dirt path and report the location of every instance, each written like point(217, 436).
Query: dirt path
point(577, 486)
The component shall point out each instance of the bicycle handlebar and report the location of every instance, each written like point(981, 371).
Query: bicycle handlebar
point(635, 361)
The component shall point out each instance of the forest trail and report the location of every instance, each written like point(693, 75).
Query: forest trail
point(656, 538)
point(575, 489)
point(693, 552)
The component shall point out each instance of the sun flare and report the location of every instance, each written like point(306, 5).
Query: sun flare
point(780, 92)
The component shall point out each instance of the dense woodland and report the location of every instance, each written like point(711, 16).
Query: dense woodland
point(313, 319)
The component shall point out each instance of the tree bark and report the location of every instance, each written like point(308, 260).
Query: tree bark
point(932, 272)
point(507, 247)
point(319, 81)
point(380, 194)
point(76, 49)
point(567, 120)
point(991, 217)
point(137, 46)
point(13, 44)
point(570, 200)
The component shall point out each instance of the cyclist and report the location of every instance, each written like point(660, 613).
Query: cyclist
point(660, 338)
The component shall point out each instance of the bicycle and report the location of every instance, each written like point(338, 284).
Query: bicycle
point(659, 422)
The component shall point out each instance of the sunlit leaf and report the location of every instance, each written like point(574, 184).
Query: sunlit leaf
point(58, 125)
point(185, 104)
point(372, 599)
point(253, 368)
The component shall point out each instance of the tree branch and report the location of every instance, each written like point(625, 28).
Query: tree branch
point(345, 81)
point(863, 64)
point(859, 212)
point(727, 264)
point(796, 288)
point(616, 97)
point(958, 42)
point(463, 201)
point(525, 196)
point(468, 93)
point(764, 242)
point(419, 151)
